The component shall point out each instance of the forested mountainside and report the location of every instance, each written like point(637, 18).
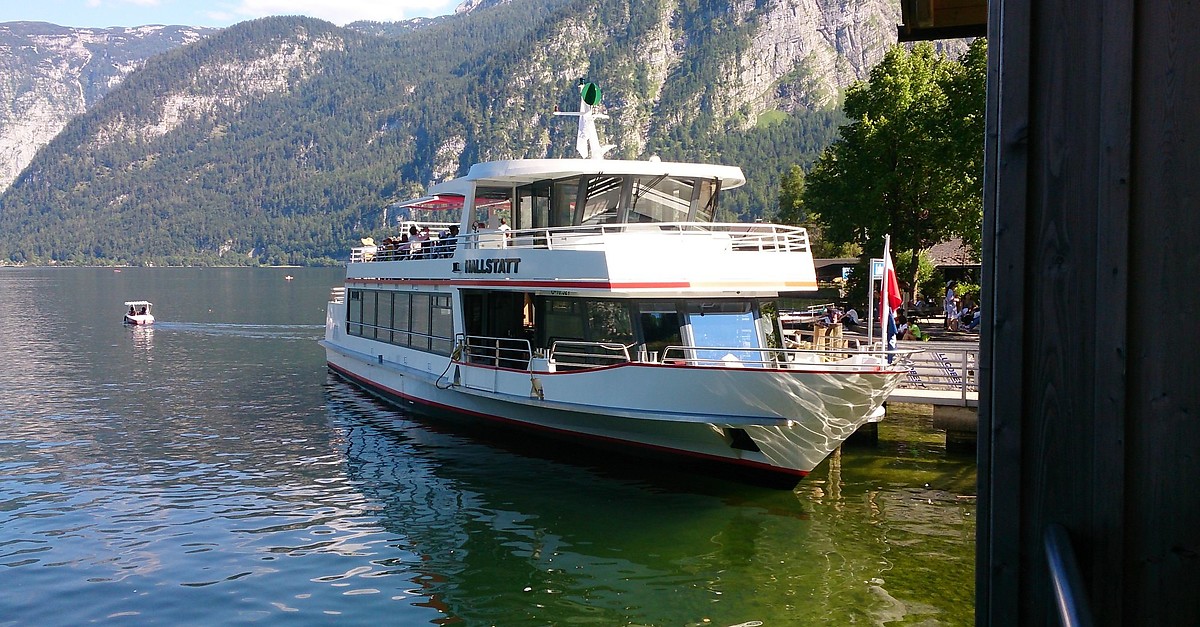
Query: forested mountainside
point(50, 74)
point(283, 140)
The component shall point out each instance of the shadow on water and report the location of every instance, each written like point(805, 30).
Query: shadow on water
point(505, 529)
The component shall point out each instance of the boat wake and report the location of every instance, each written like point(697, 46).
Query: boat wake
point(305, 332)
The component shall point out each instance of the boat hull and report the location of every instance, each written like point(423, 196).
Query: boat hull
point(140, 319)
point(769, 427)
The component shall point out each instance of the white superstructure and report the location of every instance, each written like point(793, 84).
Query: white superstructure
point(597, 299)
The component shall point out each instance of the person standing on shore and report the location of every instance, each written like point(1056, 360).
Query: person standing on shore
point(950, 308)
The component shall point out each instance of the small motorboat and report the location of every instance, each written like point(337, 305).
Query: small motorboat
point(139, 312)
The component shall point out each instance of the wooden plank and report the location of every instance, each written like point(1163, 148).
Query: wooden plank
point(1003, 278)
point(1102, 529)
point(1162, 547)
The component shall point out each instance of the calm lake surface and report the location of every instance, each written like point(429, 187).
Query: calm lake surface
point(208, 470)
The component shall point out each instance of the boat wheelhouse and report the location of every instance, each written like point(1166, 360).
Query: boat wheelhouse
point(599, 300)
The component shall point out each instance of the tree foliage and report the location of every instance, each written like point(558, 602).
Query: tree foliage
point(296, 175)
point(909, 163)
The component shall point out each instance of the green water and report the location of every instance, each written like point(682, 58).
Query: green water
point(209, 470)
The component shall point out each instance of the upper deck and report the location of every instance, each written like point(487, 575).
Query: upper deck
point(598, 224)
point(663, 258)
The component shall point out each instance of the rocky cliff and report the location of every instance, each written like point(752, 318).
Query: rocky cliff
point(50, 74)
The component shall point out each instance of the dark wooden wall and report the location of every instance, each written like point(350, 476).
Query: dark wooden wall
point(1090, 410)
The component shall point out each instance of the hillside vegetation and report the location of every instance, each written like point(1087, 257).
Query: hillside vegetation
point(283, 140)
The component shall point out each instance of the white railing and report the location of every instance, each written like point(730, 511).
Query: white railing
point(738, 236)
point(577, 355)
point(498, 352)
point(849, 358)
point(337, 295)
point(942, 368)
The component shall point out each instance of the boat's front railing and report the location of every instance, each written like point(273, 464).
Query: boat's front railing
point(337, 295)
point(735, 236)
point(851, 358)
point(579, 355)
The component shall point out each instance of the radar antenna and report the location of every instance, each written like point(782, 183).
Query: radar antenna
point(587, 142)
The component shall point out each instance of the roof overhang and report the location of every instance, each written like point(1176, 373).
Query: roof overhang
point(942, 19)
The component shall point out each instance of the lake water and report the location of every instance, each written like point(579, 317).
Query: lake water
point(208, 470)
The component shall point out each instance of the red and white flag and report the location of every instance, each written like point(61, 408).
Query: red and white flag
point(891, 299)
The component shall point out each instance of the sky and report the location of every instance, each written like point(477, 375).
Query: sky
point(218, 13)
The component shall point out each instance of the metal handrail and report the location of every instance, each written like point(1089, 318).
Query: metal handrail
point(501, 352)
point(754, 237)
point(848, 358)
point(616, 353)
point(943, 368)
point(1070, 597)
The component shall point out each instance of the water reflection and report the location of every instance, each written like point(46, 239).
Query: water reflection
point(501, 533)
point(207, 470)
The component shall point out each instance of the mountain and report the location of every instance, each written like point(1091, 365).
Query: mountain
point(50, 74)
point(283, 140)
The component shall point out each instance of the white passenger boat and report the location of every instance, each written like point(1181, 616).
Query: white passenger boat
point(139, 312)
point(598, 300)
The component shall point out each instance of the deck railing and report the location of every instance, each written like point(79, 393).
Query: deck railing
point(943, 368)
point(516, 354)
point(498, 352)
point(578, 355)
point(735, 236)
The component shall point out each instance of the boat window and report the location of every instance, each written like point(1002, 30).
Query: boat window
point(661, 199)
point(383, 317)
point(492, 204)
point(602, 201)
point(368, 313)
point(441, 325)
point(354, 313)
point(563, 320)
point(584, 320)
point(660, 327)
point(401, 306)
point(706, 201)
point(725, 327)
point(562, 202)
point(420, 322)
point(533, 206)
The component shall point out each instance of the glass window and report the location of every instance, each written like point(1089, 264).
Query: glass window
point(368, 313)
point(354, 313)
point(706, 201)
point(608, 321)
point(661, 199)
point(384, 317)
point(562, 199)
point(442, 325)
point(420, 322)
point(602, 203)
point(400, 316)
point(564, 320)
point(660, 326)
point(725, 327)
point(533, 202)
point(492, 204)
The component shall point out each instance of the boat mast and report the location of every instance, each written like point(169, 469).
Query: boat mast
point(587, 141)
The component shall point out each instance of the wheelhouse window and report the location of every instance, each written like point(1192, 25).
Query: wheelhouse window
point(493, 204)
point(662, 199)
point(602, 200)
point(725, 326)
point(612, 199)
